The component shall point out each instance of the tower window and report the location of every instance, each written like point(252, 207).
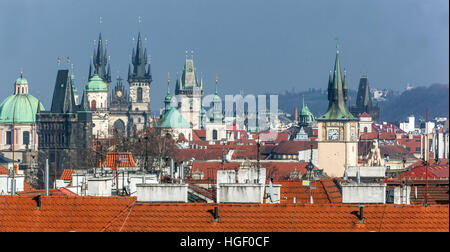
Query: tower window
point(214, 134)
point(93, 104)
point(139, 94)
point(8, 137)
point(26, 137)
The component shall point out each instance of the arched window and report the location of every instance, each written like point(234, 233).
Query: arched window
point(119, 125)
point(214, 134)
point(93, 105)
point(139, 94)
point(365, 129)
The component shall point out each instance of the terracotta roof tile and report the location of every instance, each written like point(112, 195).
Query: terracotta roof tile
point(434, 172)
point(278, 170)
point(293, 147)
point(114, 214)
point(3, 170)
point(112, 159)
point(67, 174)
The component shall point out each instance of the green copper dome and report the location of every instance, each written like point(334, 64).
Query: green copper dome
point(20, 107)
point(96, 83)
point(21, 80)
point(172, 119)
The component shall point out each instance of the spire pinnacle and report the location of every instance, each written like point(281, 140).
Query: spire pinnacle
point(217, 81)
point(168, 82)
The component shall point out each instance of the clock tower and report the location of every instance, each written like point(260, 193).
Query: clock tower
point(337, 128)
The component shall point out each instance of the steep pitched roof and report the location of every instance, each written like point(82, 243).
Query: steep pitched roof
point(63, 99)
point(126, 160)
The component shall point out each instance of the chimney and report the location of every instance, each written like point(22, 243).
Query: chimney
point(171, 168)
point(361, 214)
point(13, 186)
point(38, 202)
point(216, 214)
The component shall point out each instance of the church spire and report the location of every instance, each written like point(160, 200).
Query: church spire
point(168, 98)
point(337, 94)
point(100, 61)
point(139, 61)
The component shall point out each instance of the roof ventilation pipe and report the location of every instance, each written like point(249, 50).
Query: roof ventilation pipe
point(361, 213)
point(216, 214)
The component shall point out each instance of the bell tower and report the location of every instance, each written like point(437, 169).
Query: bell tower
point(139, 78)
point(337, 128)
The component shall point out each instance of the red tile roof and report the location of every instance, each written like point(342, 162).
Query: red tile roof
point(293, 147)
point(323, 191)
point(112, 158)
point(434, 172)
point(369, 136)
point(67, 174)
point(124, 214)
point(278, 170)
point(438, 190)
point(198, 154)
point(3, 170)
point(364, 115)
point(273, 136)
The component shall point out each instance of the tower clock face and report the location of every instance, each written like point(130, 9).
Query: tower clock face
point(333, 134)
point(119, 93)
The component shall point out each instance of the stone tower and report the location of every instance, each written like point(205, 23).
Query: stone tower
point(189, 93)
point(139, 79)
point(337, 128)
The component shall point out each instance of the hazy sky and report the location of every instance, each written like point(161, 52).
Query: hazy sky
point(256, 46)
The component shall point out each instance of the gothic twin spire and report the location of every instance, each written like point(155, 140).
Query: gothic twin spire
point(99, 62)
point(139, 61)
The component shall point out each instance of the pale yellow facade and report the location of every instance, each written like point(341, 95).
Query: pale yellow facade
point(338, 146)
